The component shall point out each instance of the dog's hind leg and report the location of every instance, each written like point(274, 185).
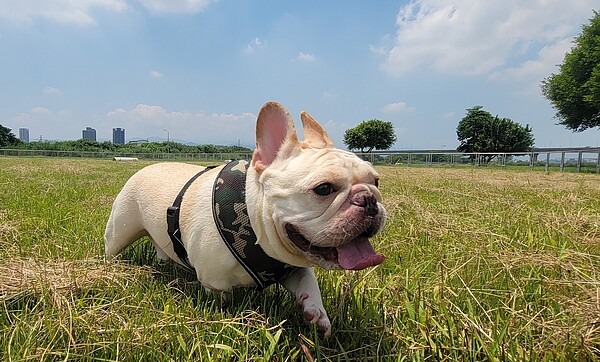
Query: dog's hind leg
point(123, 228)
point(160, 254)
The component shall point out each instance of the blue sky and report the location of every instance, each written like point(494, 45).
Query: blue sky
point(202, 69)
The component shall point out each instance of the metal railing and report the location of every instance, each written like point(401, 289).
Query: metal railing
point(585, 159)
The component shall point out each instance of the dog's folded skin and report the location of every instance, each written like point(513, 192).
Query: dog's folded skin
point(309, 204)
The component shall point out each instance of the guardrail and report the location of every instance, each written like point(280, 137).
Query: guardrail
point(576, 159)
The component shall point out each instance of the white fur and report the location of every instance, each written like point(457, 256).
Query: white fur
point(279, 185)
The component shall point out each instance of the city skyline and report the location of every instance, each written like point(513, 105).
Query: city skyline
point(23, 134)
point(118, 137)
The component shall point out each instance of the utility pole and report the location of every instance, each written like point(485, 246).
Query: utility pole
point(168, 139)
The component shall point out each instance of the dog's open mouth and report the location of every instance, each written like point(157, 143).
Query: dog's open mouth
point(356, 254)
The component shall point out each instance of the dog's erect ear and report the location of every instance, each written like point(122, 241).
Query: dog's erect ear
point(275, 135)
point(314, 134)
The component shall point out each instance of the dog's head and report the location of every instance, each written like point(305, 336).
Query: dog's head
point(316, 204)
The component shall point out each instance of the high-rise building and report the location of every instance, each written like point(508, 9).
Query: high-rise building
point(24, 134)
point(89, 134)
point(119, 136)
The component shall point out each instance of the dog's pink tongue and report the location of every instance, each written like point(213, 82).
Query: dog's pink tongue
point(358, 254)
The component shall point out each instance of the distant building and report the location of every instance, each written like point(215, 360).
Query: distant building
point(89, 134)
point(119, 136)
point(24, 134)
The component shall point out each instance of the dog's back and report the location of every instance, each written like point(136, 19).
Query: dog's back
point(139, 209)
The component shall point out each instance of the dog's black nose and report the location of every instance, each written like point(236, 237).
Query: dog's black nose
point(367, 202)
point(371, 207)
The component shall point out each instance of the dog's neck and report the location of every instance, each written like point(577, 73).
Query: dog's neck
point(261, 214)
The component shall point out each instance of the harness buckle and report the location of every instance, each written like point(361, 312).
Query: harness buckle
point(172, 219)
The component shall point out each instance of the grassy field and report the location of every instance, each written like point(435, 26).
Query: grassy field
point(482, 264)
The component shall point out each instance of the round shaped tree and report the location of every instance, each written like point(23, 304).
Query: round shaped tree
point(370, 135)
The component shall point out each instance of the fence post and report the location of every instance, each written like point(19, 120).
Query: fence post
point(598, 162)
point(531, 161)
point(547, 161)
point(579, 159)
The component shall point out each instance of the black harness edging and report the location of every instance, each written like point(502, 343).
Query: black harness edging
point(173, 221)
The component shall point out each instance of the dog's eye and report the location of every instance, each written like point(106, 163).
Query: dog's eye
point(324, 189)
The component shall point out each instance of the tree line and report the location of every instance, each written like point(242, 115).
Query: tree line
point(8, 140)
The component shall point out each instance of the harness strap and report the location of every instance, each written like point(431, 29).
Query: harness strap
point(225, 195)
point(230, 213)
point(173, 221)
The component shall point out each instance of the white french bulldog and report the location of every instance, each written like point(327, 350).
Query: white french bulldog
point(308, 203)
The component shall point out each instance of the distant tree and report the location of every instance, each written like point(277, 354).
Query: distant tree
point(575, 90)
point(370, 135)
point(479, 131)
point(7, 138)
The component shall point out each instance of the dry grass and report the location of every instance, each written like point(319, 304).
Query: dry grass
point(60, 279)
point(482, 264)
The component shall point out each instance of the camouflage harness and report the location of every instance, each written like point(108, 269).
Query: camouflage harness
point(231, 218)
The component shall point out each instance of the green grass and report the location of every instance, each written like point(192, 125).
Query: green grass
point(482, 264)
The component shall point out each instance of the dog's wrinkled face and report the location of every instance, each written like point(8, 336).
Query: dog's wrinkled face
point(325, 204)
point(322, 202)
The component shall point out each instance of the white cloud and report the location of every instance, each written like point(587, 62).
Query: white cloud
point(65, 113)
point(306, 57)
point(48, 124)
point(156, 74)
point(397, 107)
point(400, 131)
point(531, 72)
point(21, 118)
point(330, 95)
point(449, 115)
point(51, 91)
point(80, 12)
point(546, 63)
point(116, 113)
point(146, 120)
point(40, 110)
point(255, 45)
point(175, 6)
point(379, 50)
point(63, 11)
point(145, 111)
point(462, 37)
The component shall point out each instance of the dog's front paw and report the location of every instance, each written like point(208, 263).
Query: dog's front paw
point(314, 313)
